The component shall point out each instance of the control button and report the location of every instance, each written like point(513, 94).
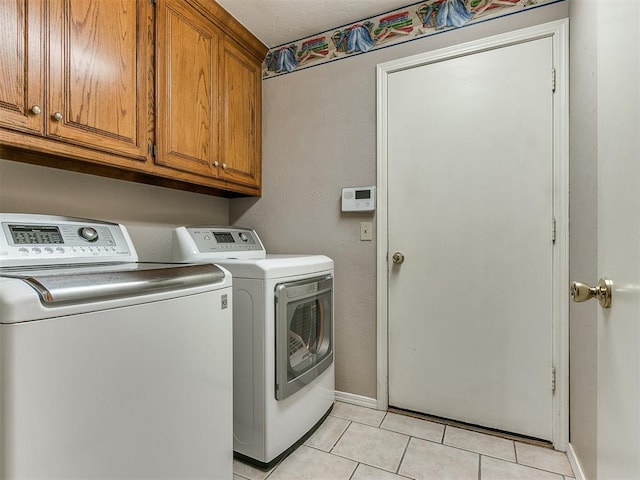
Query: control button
point(36, 250)
point(23, 251)
point(244, 237)
point(59, 250)
point(89, 234)
point(48, 250)
point(207, 237)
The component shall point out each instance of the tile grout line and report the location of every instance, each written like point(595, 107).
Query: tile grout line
point(340, 437)
point(404, 452)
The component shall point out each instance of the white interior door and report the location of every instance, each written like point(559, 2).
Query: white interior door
point(470, 205)
point(618, 73)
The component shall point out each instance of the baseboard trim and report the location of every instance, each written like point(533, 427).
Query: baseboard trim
point(575, 463)
point(359, 400)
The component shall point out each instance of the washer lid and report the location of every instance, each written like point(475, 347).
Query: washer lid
point(74, 284)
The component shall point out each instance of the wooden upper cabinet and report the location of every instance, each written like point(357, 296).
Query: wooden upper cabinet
point(165, 91)
point(187, 89)
point(21, 65)
point(97, 91)
point(240, 126)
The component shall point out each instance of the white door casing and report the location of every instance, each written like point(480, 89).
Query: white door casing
point(556, 35)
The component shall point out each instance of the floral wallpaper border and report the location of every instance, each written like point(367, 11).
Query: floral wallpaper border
point(414, 21)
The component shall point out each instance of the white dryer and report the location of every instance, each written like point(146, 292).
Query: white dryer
point(283, 367)
point(109, 368)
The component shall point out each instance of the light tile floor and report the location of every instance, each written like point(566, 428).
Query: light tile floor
point(356, 443)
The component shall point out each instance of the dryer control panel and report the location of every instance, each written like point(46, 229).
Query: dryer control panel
point(30, 239)
point(205, 243)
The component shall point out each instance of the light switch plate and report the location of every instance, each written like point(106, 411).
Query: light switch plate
point(366, 231)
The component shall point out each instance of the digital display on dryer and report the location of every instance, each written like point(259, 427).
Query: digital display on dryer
point(224, 237)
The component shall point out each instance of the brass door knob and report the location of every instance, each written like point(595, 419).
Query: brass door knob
point(581, 292)
point(398, 258)
point(36, 110)
point(57, 116)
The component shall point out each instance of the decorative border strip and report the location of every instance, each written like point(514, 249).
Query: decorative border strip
point(414, 21)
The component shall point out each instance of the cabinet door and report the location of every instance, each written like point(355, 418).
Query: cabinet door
point(187, 94)
point(97, 77)
point(21, 61)
point(241, 97)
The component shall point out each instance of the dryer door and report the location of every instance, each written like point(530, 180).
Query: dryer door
point(304, 337)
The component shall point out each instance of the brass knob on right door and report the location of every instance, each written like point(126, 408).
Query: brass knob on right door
point(581, 292)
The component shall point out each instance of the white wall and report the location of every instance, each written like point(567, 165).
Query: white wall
point(148, 212)
point(319, 135)
point(583, 235)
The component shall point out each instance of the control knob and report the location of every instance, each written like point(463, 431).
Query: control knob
point(89, 234)
point(243, 236)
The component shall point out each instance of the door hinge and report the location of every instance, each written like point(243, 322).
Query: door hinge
point(553, 379)
point(553, 79)
point(553, 230)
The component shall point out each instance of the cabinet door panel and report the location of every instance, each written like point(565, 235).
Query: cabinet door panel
point(241, 125)
point(97, 80)
point(21, 60)
point(187, 100)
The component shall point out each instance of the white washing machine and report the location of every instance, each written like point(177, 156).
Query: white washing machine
point(283, 369)
point(109, 368)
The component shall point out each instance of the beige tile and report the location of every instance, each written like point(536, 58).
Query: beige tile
point(368, 416)
point(495, 469)
point(543, 458)
point(413, 426)
point(373, 446)
point(247, 471)
point(365, 472)
point(480, 443)
point(328, 434)
point(428, 460)
point(307, 463)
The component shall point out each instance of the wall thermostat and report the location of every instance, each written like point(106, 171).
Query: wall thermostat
point(358, 199)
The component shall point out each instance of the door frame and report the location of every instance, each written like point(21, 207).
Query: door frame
point(558, 31)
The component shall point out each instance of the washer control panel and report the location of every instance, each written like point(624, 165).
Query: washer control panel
point(203, 243)
point(29, 239)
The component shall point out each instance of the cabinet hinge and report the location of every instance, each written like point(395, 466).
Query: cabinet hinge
point(553, 79)
point(553, 379)
point(553, 230)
